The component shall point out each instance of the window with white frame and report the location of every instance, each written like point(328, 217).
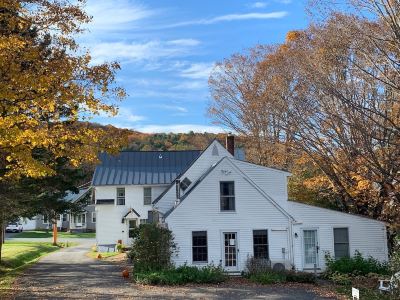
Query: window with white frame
point(341, 242)
point(93, 217)
point(260, 244)
point(147, 196)
point(120, 196)
point(227, 195)
point(199, 246)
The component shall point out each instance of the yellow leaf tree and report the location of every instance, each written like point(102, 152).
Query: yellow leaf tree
point(47, 86)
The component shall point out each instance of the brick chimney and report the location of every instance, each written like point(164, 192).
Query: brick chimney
point(230, 143)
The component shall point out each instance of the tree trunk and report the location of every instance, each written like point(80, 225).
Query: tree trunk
point(1, 234)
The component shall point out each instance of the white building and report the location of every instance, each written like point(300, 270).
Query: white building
point(223, 210)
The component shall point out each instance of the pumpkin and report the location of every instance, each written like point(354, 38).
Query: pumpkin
point(125, 273)
point(99, 256)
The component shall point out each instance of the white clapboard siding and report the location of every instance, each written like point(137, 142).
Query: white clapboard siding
point(109, 226)
point(210, 156)
point(272, 181)
point(200, 211)
point(366, 235)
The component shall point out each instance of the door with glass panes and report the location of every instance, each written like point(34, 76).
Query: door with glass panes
point(310, 247)
point(230, 251)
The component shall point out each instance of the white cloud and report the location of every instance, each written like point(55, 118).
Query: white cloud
point(190, 85)
point(231, 17)
point(184, 42)
point(126, 114)
point(151, 50)
point(176, 108)
point(198, 71)
point(258, 5)
point(179, 128)
point(115, 15)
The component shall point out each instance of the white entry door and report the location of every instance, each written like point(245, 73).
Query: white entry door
point(310, 248)
point(230, 251)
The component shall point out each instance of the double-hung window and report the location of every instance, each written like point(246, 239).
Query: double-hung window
point(227, 195)
point(260, 244)
point(120, 196)
point(341, 242)
point(199, 246)
point(147, 196)
point(93, 217)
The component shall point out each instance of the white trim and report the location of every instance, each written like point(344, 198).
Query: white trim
point(303, 254)
point(191, 247)
point(222, 243)
point(333, 240)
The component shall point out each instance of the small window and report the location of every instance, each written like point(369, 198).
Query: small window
point(199, 246)
point(120, 196)
point(45, 219)
point(83, 218)
point(260, 244)
point(65, 217)
point(147, 196)
point(132, 226)
point(227, 193)
point(185, 183)
point(93, 217)
point(341, 240)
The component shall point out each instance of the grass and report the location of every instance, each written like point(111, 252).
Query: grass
point(16, 257)
point(44, 234)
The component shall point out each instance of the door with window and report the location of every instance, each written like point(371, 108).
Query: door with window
point(230, 251)
point(310, 246)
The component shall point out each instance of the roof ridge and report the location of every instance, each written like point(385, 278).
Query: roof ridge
point(149, 151)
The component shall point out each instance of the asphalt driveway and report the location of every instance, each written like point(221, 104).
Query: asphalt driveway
point(71, 274)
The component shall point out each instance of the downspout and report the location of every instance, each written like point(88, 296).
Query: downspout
point(291, 244)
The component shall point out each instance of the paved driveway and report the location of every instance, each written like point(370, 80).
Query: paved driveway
point(70, 274)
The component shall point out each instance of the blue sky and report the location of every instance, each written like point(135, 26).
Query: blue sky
point(167, 49)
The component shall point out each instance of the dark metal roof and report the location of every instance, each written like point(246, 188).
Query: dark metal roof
point(142, 167)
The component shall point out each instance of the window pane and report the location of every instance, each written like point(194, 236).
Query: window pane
point(147, 191)
point(199, 246)
point(227, 188)
point(341, 240)
point(260, 244)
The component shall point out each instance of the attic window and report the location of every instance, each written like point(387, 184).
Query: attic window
point(185, 183)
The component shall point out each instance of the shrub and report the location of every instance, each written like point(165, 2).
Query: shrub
point(356, 265)
point(152, 248)
point(268, 277)
point(181, 275)
point(340, 278)
point(119, 248)
point(301, 277)
point(257, 265)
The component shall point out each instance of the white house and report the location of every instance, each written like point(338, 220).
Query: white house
point(223, 210)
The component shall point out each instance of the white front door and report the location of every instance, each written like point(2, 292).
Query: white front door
point(310, 238)
point(230, 251)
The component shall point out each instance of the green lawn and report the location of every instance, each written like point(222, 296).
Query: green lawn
point(16, 257)
point(44, 234)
